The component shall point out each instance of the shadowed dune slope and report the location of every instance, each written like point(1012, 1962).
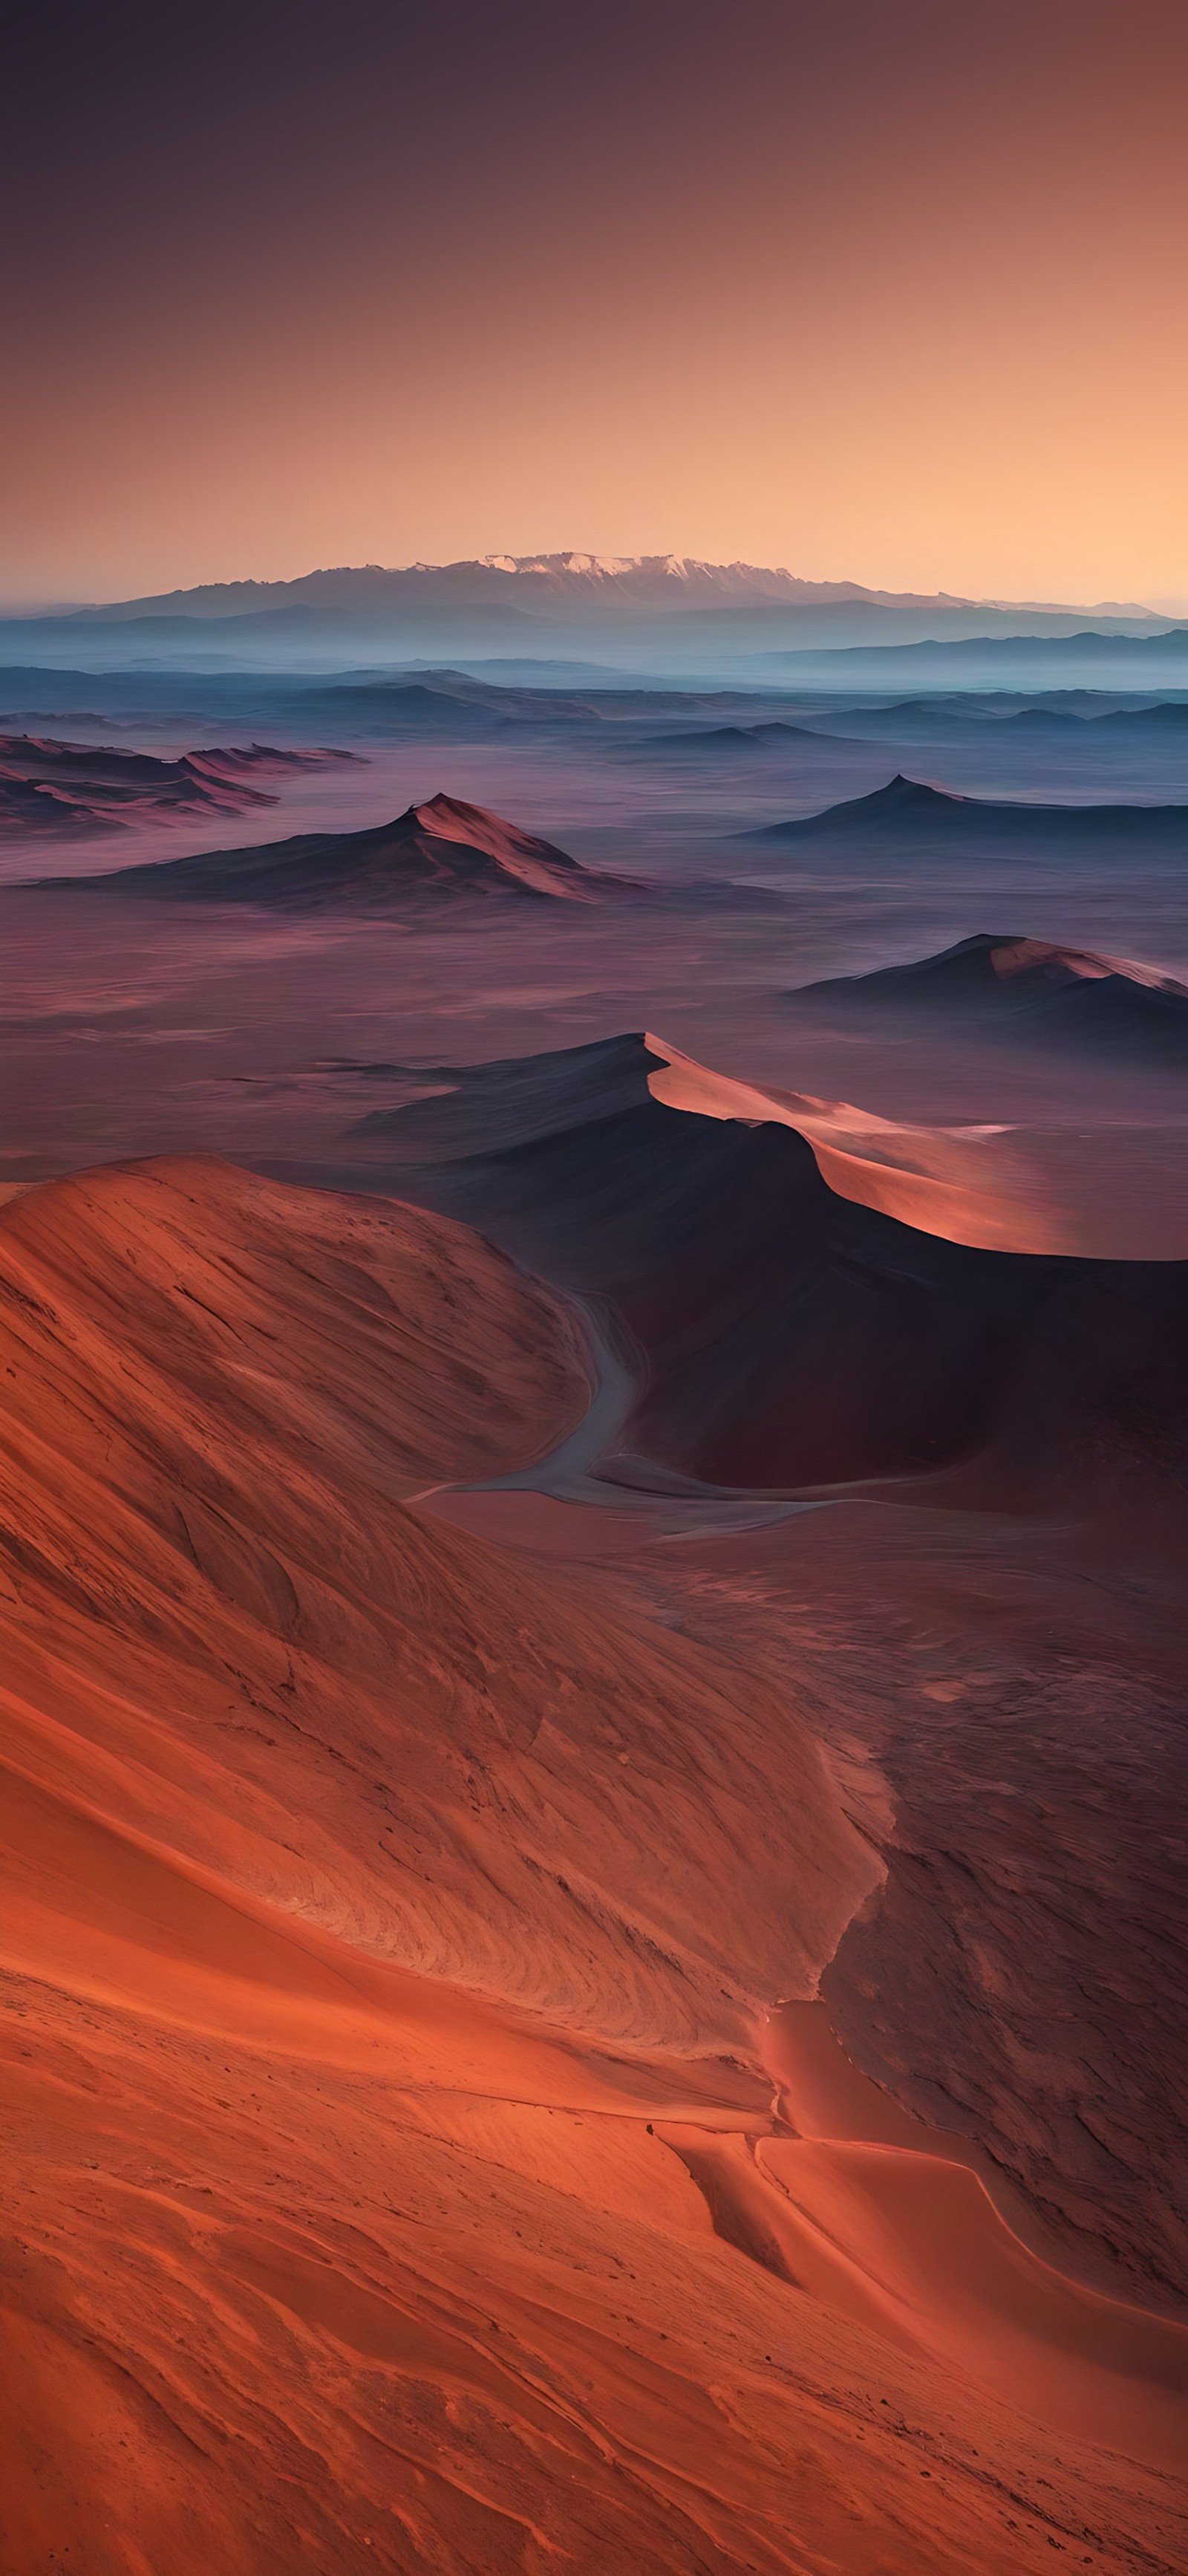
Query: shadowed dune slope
point(76, 787)
point(1029, 988)
point(793, 1336)
point(441, 852)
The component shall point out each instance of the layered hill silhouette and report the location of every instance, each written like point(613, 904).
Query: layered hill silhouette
point(1076, 719)
point(719, 746)
point(440, 853)
point(665, 613)
point(50, 786)
point(1081, 657)
point(1033, 988)
point(907, 814)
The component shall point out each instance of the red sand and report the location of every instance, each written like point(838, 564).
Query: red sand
point(388, 1920)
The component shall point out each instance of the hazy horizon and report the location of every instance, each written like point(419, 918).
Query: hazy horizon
point(885, 289)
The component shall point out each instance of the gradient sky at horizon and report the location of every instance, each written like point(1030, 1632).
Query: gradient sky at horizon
point(890, 291)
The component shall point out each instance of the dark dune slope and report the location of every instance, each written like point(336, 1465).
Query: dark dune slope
point(790, 1336)
point(475, 1109)
point(1031, 988)
point(907, 814)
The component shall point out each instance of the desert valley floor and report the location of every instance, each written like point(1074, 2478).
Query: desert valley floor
point(593, 1561)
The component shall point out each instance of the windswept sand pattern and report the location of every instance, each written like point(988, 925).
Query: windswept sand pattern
point(407, 2172)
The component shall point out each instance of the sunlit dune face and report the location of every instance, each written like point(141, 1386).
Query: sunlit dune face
point(940, 1180)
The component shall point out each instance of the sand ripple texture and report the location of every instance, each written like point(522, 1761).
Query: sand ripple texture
point(391, 1920)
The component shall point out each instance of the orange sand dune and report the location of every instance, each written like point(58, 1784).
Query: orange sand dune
point(386, 1925)
point(902, 2204)
point(910, 2247)
point(966, 1184)
point(920, 2236)
point(259, 2316)
point(440, 853)
point(222, 1390)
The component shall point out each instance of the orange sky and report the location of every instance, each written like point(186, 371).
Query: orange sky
point(888, 291)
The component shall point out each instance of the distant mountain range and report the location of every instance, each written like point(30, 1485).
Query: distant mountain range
point(592, 583)
point(652, 613)
point(1080, 719)
point(1035, 656)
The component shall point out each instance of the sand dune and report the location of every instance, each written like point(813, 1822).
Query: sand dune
point(385, 1933)
point(440, 858)
point(76, 787)
point(909, 2246)
point(879, 2224)
point(938, 1180)
point(442, 851)
point(465, 1110)
point(269, 1368)
point(818, 1295)
point(1032, 989)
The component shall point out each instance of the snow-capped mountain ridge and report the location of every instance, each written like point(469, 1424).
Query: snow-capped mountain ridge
point(570, 580)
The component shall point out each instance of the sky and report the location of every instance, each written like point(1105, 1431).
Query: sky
point(881, 290)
